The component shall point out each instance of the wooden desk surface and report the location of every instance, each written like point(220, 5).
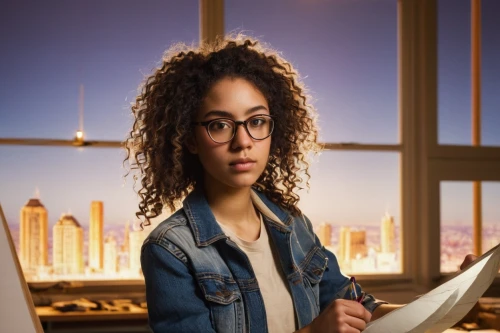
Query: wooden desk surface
point(47, 313)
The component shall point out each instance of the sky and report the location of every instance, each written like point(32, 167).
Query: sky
point(345, 51)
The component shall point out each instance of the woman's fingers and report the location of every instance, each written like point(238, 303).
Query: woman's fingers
point(467, 261)
point(357, 310)
point(356, 323)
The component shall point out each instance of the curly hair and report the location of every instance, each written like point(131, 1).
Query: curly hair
point(169, 99)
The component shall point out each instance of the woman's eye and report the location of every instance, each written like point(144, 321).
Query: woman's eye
point(220, 125)
point(257, 122)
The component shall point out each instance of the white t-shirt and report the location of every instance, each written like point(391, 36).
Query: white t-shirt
point(272, 282)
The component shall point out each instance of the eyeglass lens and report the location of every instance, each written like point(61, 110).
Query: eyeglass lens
point(259, 127)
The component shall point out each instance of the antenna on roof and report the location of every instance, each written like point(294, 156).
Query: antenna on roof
point(37, 193)
point(79, 139)
point(80, 108)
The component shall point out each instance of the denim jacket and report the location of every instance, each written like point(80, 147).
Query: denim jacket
point(198, 280)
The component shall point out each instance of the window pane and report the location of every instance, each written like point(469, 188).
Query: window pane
point(490, 73)
point(491, 215)
point(68, 182)
point(454, 72)
point(345, 50)
point(454, 63)
point(107, 46)
point(456, 224)
point(354, 205)
point(457, 221)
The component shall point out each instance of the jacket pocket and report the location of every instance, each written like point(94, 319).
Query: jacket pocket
point(225, 302)
point(313, 267)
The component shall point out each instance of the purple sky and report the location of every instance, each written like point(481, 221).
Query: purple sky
point(344, 49)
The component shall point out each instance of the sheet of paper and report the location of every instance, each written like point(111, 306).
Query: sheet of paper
point(416, 316)
point(17, 312)
point(445, 305)
point(471, 285)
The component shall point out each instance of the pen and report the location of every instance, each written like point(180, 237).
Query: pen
point(353, 288)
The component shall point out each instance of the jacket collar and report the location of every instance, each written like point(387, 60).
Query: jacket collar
point(205, 228)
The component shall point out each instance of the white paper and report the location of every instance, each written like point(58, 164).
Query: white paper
point(445, 305)
point(17, 312)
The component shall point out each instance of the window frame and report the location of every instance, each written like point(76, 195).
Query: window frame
point(423, 162)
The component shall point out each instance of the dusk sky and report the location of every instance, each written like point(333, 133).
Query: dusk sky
point(345, 50)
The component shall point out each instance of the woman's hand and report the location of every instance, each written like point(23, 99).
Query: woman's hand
point(341, 316)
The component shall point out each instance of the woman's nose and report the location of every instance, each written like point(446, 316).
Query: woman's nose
point(241, 138)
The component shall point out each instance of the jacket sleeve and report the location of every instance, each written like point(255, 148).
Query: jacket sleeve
point(175, 302)
point(335, 285)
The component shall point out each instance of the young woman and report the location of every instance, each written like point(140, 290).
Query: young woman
point(227, 128)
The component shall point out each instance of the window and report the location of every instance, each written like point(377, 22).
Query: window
point(490, 73)
point(456, 168)
point(454, 89)
point(457, 221)
point(454, 72)
point(456, 224)
point(346, 53)
point(354, 201)
point(424, 164)
point(54, 49)
point(491, 215)
point(56, 194)
point(107, 47)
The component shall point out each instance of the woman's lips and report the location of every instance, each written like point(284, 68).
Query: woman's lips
point(243, 166)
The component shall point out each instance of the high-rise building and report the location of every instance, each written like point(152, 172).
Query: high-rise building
point(343, 244)
point(96, 229)
point(352, 243)
point(67, 246)
point(126, 238)
point(325, 234)
point(33, 234)
point(387, 237)
point(356, 244)
point(137, 238)
point(110, 255)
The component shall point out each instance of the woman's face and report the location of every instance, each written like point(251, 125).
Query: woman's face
point(239, 162)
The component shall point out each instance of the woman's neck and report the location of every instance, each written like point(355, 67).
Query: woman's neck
point(234, 209)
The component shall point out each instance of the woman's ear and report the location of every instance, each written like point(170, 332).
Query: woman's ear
point(191, 144)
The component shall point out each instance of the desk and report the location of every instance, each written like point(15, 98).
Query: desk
point(133, 320)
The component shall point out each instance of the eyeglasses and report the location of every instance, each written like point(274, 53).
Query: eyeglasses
point(222, 130)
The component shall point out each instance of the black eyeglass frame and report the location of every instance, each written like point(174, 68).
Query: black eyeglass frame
point(207, 123)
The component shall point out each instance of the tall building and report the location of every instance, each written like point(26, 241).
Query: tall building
point(356, 244)
point(325, 234)
point(343, 244)
point(137, 238)
point(126, 238)
point(124, 253)
point(352, 243)
point(387, 234)
point(67, 246)
point(110, 255)
point(33, 234)
point(96, 229)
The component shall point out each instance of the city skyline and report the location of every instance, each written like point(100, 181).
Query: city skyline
point(359, 249)
point(350, 68)
point(72, 252)
point(67, 250)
